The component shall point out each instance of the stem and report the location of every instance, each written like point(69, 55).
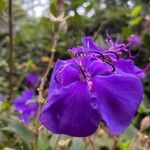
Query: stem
point(41, 98)
point(85, 146)
point(100, 28)
point(59, 10)
point(58, 139)
point(11, 49)
point(133, 141)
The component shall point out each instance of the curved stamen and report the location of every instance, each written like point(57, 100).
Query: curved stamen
point(146, 68)
point(96, 52)
point(131, 56)
point(109, 63)
point(104, 58)
point(112, 52)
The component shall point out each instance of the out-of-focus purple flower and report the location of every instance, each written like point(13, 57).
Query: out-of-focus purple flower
point(1, 98)
point(134, 40)
point(32, 80)
point(26, 105)
point(84, 91)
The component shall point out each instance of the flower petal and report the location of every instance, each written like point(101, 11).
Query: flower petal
point(19, 104)
point(64, 73)
point(96, 66)
point(25, 115)
point(117, 100)
point(89, 43)
point(69, 112)
point(127, 66)
point(27, 94)
point(32, 80)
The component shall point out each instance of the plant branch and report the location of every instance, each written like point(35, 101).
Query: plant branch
point(11, 49)
point(41, 98)
point(100, 29)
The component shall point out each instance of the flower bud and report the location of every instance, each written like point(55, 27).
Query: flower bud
point(145, 123)
point(134, 40)
point(63, 144)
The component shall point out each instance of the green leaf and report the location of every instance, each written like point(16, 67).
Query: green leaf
point(77, 144)
point(126, 32)
point(136, 11)
point(53, 6)
point(4, 106)
point(146, 41)
point(76, 3)
point(130, 133)
point(123, 145)
point(21, 131)
point(135, 21)
point(2, 137)
point(2, 5)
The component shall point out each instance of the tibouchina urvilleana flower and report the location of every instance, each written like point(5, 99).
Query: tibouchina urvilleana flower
point(1, 98)
point(26, 105)
point(92, 87)
point(32, 80)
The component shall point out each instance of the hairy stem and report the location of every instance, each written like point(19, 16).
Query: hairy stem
point(41, 98)
point(100, 28)
point(11, 49)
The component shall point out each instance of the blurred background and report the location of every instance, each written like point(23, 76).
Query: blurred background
point(33, 34)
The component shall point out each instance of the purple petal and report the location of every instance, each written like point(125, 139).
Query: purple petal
point(127, 66)
point(118, 99)
point(64, 73)
point(69, 112)
point(1, 98)
point(32, 79)
point(89, 43)
point(33, 106)
point(27, 94)
point(26, 105)
point(19, 104)
point(25, 115)
point(96, 66)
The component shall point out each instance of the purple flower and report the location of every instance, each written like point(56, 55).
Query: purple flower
point(111, 53)
point(87, 90)
point(134, 40)
point(26, 105)
point(32, 80)
point(1, 98)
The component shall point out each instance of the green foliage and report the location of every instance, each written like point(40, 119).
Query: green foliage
point(126, 31)
point(14, 128)
point(123, 145)
point(76, 3)
point(53, 6)
point(135, 21)
point(2, 5)
point(136, 11)
point(135, 15)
